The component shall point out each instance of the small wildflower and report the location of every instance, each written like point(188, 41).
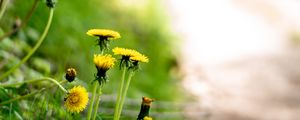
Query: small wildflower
point(125, 52)
point(140, 58)
point(130, 57)
point(71, 74)
point(145, 108)
point(104, 33)
point(104, 36)
point(136, 59)
point(76, 99)
point(147, 118)
point(103, 63)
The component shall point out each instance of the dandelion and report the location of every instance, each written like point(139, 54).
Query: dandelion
point(136, 59)
point(104, 36)
point(103, 63)
point(126, 54)
point(76, 99)
point(140, 58)
point(130, 57)
point(147, 118)
point(70, 74)
point(145, 108)
point(104, 33)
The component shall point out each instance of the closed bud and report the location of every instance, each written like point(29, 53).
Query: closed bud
point(50, 3)
point(145, 108)
point(71, 74)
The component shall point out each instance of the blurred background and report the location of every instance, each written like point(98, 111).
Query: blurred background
point(240, 58)
point(209, 60)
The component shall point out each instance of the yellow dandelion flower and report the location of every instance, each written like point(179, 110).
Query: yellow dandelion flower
point(105, 33)
point(125, 52)
point(140, 58)
point(104, 62)
point(76, 99)
point(147, 118)
point(130, 54)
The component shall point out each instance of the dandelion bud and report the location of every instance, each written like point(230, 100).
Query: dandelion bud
point(50, 3)
point(104, 36)
point(71, 74)
point(145, 108)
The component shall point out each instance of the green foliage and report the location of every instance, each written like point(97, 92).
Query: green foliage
point(142, 28)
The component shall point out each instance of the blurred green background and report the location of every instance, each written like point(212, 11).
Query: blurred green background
point(143, 25)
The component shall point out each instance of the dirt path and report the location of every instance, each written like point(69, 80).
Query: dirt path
point(240, 58)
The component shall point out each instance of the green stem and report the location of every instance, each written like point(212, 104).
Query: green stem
point(119, 95)
point(92, 101)
point(3, 8)
point(28, 95)
point(37, 45)
point(97, 103)
point(36, 80)
point(125, 93)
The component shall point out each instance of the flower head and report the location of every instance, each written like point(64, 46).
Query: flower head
point(130, 57)
point(103, 63)
point(70, 74)
point(140, 58)
point(125, 52)
point(105, 33)
point(104, 36)
point(76, 99)
point(147, 101)
point(147, 118)
point(136, 59)
point(145, 108)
